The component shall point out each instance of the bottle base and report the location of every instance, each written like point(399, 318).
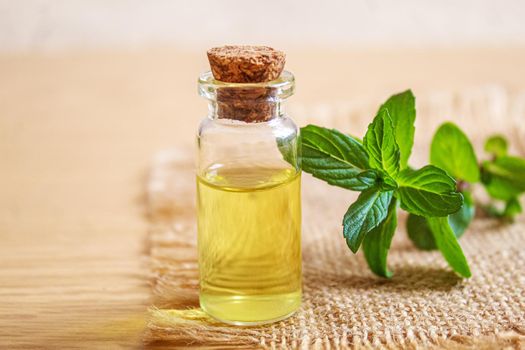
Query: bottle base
point(251, 310)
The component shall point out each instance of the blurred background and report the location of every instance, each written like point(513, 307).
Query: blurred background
point(91, 90)
point(44, 25)
point(134, 63)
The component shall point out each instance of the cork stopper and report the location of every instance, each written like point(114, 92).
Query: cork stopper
point(246, 65)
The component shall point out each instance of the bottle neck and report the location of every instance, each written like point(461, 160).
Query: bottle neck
point(247, 102)
point(246, 111)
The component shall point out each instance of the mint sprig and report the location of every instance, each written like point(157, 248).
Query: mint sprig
point(437, 196)
point(379, 168)
point(503, 177)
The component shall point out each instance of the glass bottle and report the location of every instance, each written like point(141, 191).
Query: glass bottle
point(248, 202)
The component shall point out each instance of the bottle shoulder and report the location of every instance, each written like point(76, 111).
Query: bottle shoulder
point(272, 144)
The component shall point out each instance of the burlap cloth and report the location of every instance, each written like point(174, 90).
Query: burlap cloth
point(344, 306)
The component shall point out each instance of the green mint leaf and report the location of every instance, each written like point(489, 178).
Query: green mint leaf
point(402, 110)
point(381, 144)
point(492, 211)
point(377, 242)
point(366, 213)
point(448, 244)
point(336, 158)
point(460, 220)
point(452, 151)
point(363, 181)
point(509, 211)
point(496, 145)
point(335, 145)
point(289, 150)
point(376, 178)
point(386, 183)
point(358, 139)
point(504, 178)
point(512, 208)
point(419, 231)
point(428, 191)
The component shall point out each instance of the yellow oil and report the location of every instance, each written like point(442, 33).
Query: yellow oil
point(249, 223)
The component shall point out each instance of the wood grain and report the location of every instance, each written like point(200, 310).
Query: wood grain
point(77, 132)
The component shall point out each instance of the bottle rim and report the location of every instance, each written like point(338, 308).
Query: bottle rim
point(281, 88)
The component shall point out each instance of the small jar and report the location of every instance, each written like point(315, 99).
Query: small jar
point(248, 202)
